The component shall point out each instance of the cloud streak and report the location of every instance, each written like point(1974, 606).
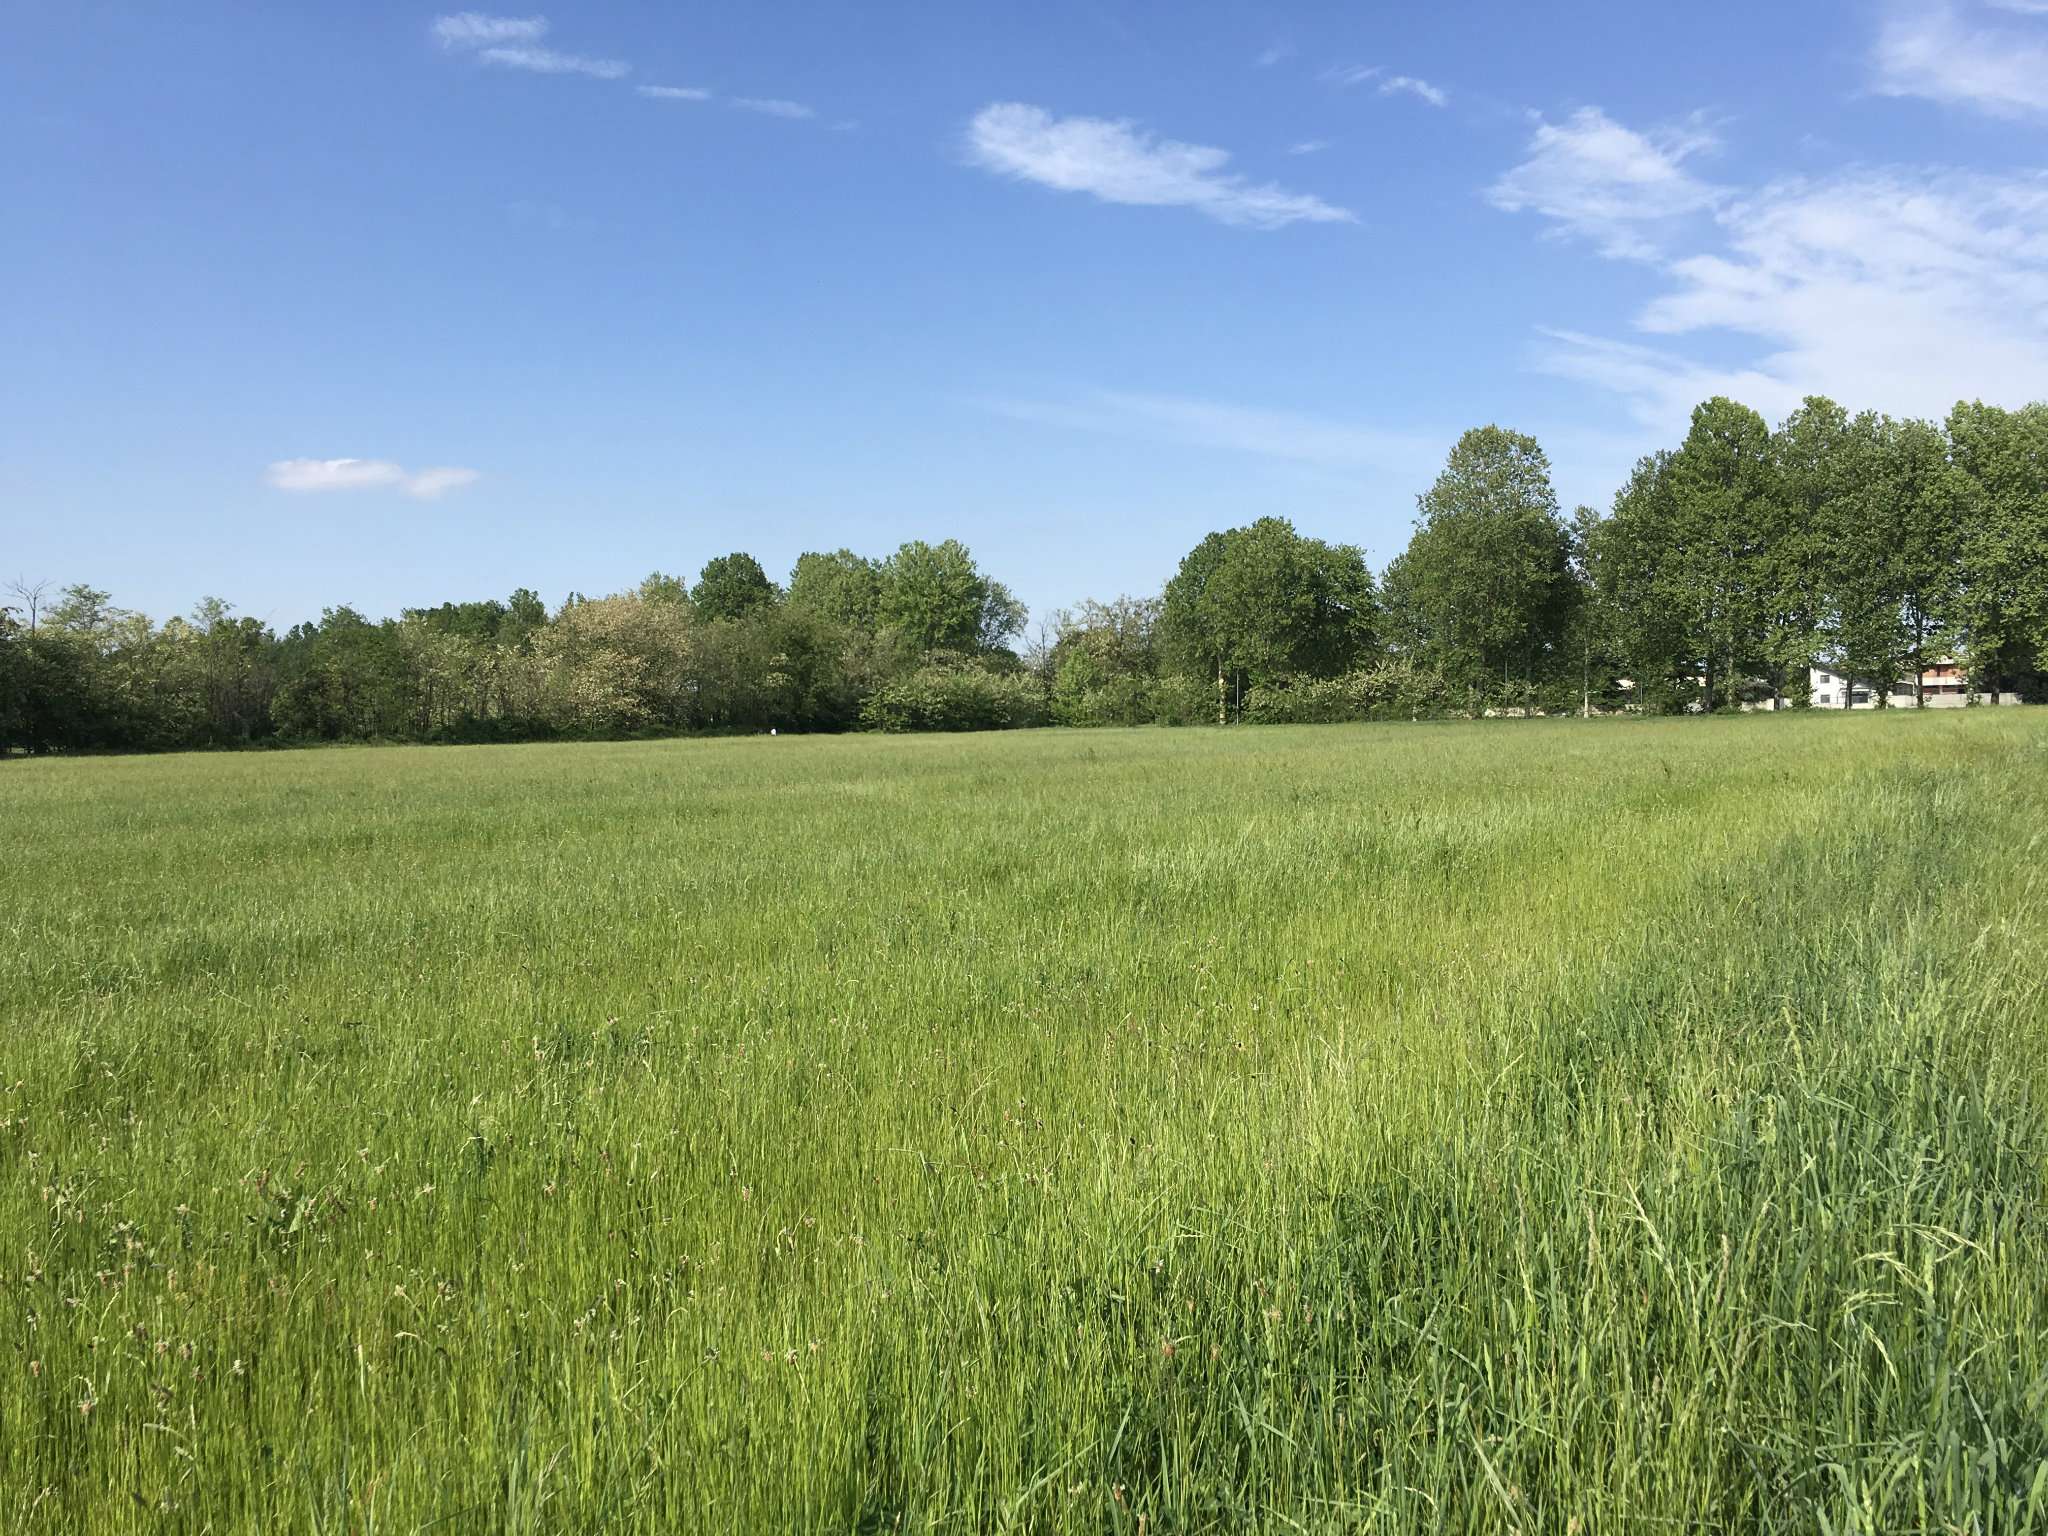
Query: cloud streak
point(1345, 76)
point(545, 61)
point(1181, 419)
point(517, 42)
point(1396, 85)
point(1932, 50)
point(318, 475)
point(1903, 288)
point(1115, 161)
point(473, 29)
point(770, 106)
point(514, 42)
point(1595, 179)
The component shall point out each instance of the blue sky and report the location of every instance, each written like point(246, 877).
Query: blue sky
point(384, 304)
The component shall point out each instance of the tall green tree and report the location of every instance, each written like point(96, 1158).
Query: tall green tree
point(731, 587)
point(1930, 497)
point(1727, 516)
point(1640, 585)
point(1259, 605)
point(937, 599)
point(842, 587)
point(233, 672)
point(1891, 560)
point(661, 587)
point(1484, 590)
point(1822, 468)
point(2002, 456)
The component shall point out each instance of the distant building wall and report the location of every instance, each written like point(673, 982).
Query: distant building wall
point(1944, 685)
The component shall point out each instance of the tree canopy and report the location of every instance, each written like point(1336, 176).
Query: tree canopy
point(1727, 566)
point(1257, 605)
point(1485, 587)
point(731, 587)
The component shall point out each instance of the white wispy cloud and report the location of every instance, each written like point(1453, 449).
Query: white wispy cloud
point(1348, 75)
point(1353, 460)
point(1309, 147)
point(368, 475)
point(1903, 289)
point(473, 29)
point(1181, 419)
point(1936, 50)
point(1277, 53)
point(1118, 162)
point(432, 484)
point(546, 61)
point(769, 106)
point(1615, 186)
point(1659, 385)
point(513, 42)
point(1395, 85)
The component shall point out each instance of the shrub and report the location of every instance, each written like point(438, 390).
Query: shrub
point(954, 698)
point(1182, 700)
point(1394, 690)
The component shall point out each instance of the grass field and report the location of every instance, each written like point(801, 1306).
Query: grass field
point(1542, 1126)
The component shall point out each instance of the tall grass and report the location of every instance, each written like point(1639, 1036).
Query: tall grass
point(1542, 1126)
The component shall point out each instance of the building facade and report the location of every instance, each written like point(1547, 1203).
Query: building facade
point(1943, 684)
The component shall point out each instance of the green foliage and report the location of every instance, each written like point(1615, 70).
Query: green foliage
point(661, 587)
point(2004, 457)
point(1726, 569)
point(1638, 591)
point(1177, 699)
point(1396, 689)
point(1708, 582)
point(955, 695)
point(937, 599)
point(1484, 590)
point(1637, 1125)
point(1254, 605)
point(731, 587)
point(842, 588)
point(1104, 663)
point(1727, 516)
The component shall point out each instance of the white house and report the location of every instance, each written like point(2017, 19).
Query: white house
point(1943, 683)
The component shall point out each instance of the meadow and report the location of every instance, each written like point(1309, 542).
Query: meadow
point(1547, 1126)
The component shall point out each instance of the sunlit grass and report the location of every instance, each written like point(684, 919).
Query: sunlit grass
point(1539, 1125)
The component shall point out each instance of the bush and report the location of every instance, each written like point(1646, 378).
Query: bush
point(1183, 701)
point(1394, 690)
point(954, 698)
point(1113, 701)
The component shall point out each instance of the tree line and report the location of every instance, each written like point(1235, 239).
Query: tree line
point(1726, 567)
